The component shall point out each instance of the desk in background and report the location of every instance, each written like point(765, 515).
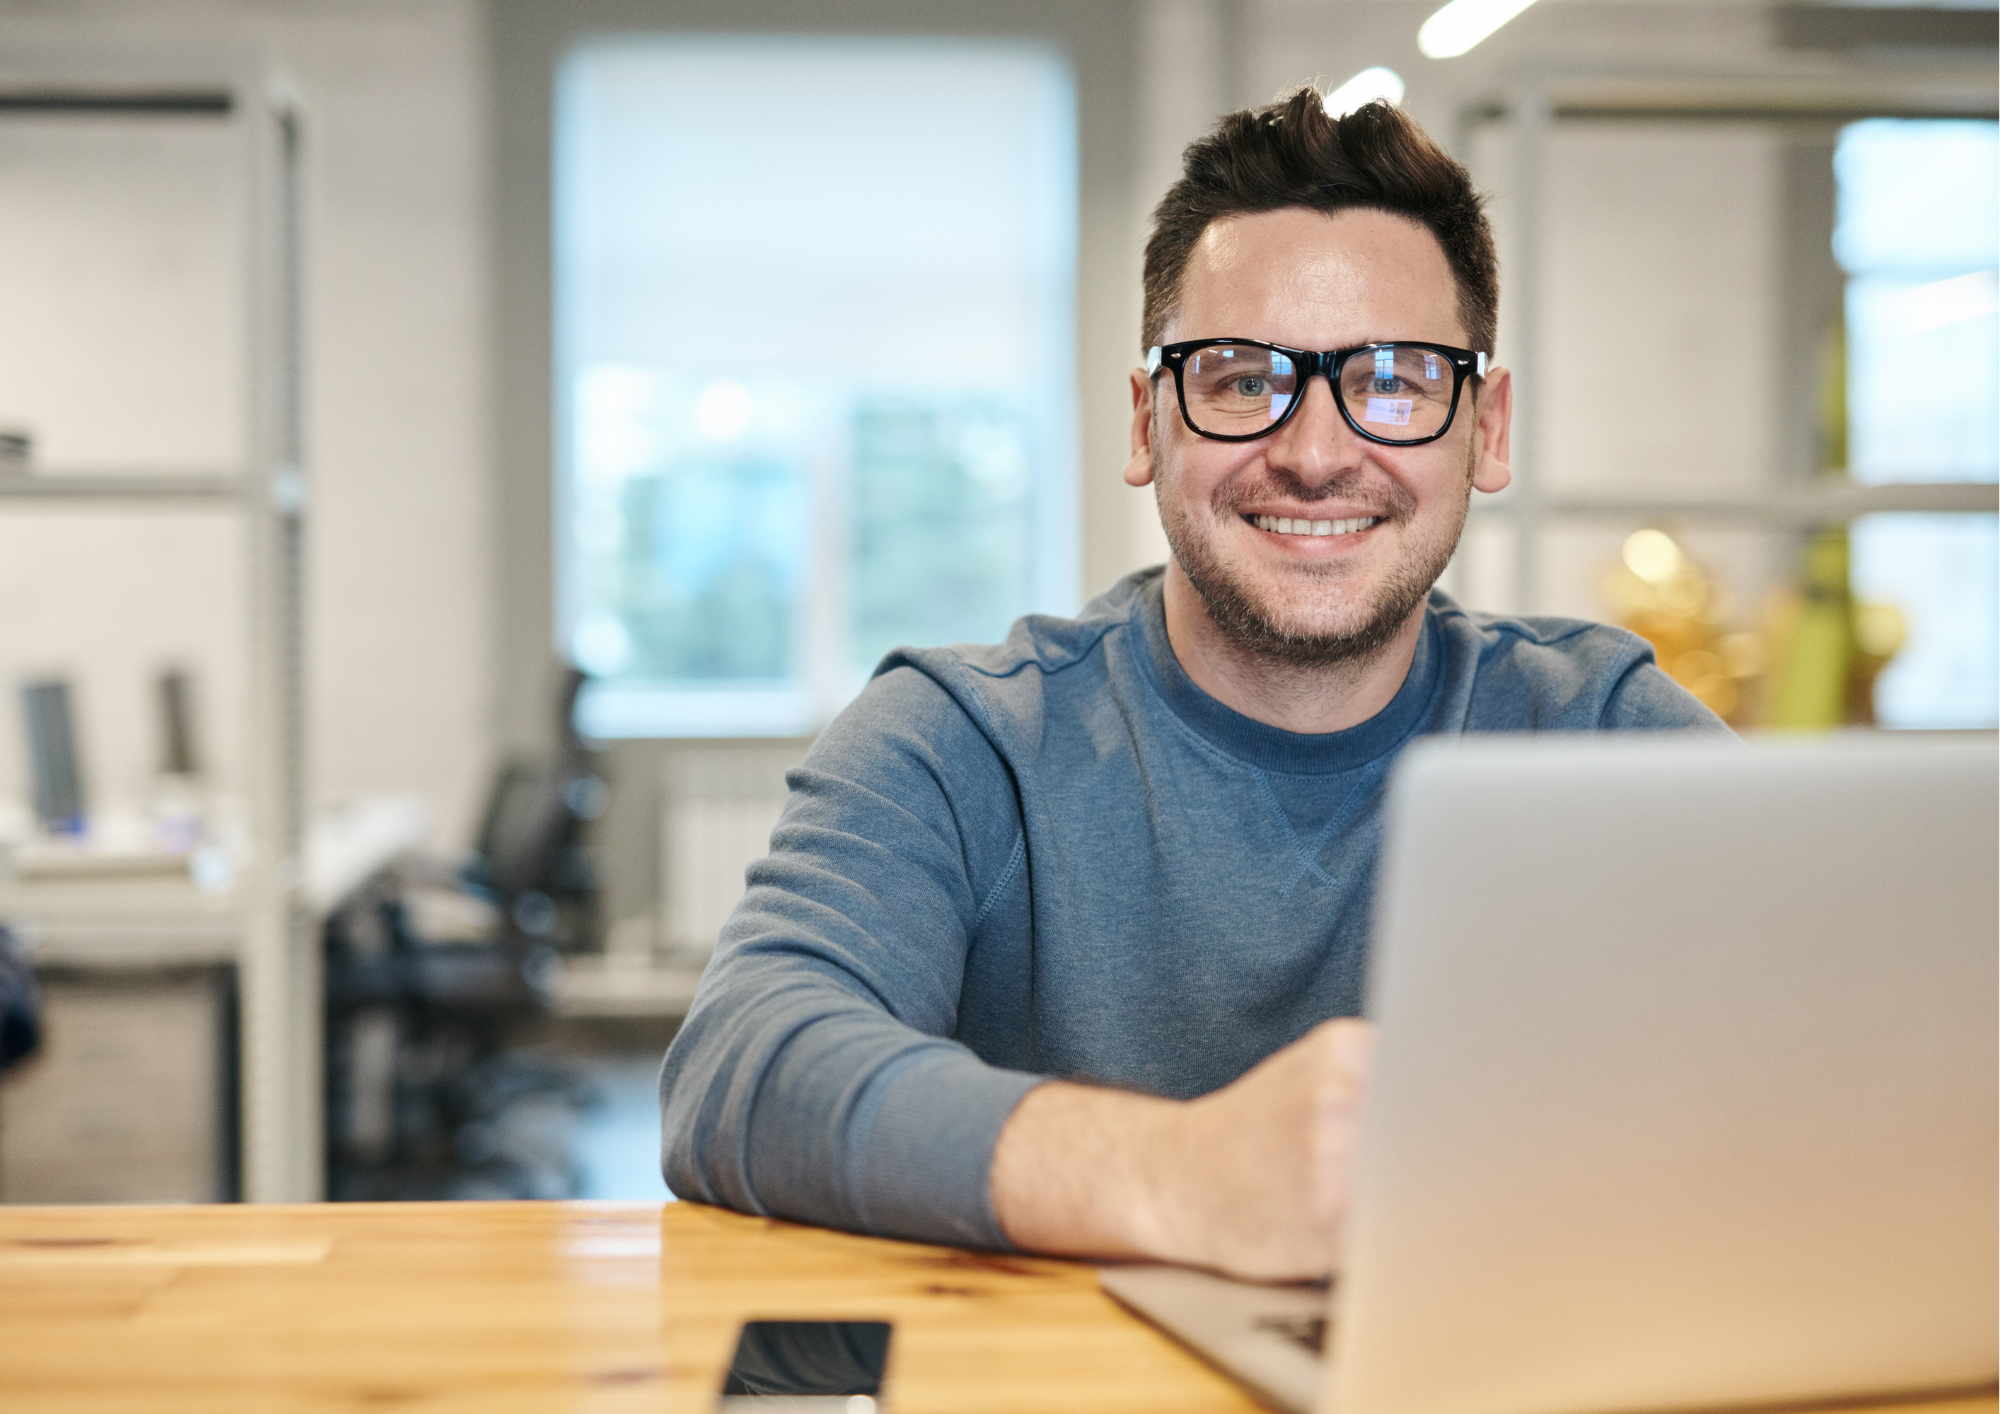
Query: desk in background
point(135, 1097)
point(522, 1306)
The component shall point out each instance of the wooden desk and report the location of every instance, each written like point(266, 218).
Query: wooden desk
point(533, 1306)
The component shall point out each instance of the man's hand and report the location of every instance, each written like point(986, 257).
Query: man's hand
point(1252, 1180)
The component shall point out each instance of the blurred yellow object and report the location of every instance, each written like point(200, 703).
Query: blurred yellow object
point(1812, 665)
point(1744, 654)
point(1657, 592)
point(1833, 395)
point(1816, 646)
point(1653, 556)
point(1879, 630)
point(1827, 650)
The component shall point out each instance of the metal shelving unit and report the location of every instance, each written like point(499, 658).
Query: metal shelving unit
point(1801, 96)
point(275, 954)
point(110, 489)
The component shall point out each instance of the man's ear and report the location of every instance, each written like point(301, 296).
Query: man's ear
point(1490, 471)
point(1139, 470)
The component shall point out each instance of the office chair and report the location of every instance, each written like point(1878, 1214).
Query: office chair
point(452, 1012)
point(20, 1005)
point(529, 857)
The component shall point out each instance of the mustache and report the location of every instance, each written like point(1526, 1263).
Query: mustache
point(1375, 496)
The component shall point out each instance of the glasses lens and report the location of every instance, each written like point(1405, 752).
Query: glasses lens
point(1236, 390)
point(1398, 393)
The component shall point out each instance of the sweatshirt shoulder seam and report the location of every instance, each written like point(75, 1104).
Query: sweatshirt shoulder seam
point(1071, 659)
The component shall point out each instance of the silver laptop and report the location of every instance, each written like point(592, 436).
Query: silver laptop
point(1684, 1096)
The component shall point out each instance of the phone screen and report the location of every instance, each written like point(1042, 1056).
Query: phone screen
point(838, 1362)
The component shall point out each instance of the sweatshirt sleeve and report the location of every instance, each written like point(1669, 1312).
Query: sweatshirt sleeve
point(816, 1077)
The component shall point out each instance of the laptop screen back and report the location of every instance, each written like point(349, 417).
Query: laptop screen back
point(1685, 1093)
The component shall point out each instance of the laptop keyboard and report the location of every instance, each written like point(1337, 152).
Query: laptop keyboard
point(1306, 1331)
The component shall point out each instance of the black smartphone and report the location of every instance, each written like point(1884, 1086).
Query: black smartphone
point(807, 1367)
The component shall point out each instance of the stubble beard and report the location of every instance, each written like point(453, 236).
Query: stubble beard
point(1263, 630)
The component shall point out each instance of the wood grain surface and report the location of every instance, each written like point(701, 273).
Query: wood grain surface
point(541, 1306)
point(532, 1306)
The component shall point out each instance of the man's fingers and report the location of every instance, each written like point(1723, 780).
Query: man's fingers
point(1349, 1038)
point(1345, 1053)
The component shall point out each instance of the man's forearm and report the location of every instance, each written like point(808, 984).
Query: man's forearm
point(1077, 1171)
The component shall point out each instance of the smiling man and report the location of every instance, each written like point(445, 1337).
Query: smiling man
point(1060, 943)
point(1313, 499)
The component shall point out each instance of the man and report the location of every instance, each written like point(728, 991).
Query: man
point(1048, 943)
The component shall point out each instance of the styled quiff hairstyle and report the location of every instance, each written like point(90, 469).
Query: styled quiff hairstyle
point(1293, 154)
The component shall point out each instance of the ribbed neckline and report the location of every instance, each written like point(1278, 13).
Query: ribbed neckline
point(1272, 748)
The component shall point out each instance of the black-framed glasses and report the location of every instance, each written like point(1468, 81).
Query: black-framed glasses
point(1399, 393)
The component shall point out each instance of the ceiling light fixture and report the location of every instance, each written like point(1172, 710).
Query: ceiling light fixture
point(1463, 23)
point(1365, 87)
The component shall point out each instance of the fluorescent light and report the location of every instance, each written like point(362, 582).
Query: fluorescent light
point(1463, 23)
point(1365, 87)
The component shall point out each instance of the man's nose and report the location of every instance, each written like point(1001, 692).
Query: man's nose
point(1316, 444)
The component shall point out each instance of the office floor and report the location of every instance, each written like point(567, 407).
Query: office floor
point(612, 1141)
point(571, 1111)
point(597, 1136)
point(615, 1143)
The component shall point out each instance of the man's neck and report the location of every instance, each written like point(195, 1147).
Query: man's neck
point(1310, 698)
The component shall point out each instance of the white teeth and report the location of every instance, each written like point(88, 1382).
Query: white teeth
point(1286, 525)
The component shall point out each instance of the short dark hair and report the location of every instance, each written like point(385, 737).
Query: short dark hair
point(1293, 154)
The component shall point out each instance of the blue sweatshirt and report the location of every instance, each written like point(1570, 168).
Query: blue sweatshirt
point(1058, 857)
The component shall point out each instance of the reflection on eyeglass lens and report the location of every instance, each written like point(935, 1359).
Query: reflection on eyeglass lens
point(1401, 393)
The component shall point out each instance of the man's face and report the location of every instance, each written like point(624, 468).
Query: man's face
point(1311, 281)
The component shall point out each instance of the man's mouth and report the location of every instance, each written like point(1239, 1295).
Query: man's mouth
point(1287, 525)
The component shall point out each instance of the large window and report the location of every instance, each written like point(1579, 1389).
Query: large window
point(1919, 236)
point(815, 366)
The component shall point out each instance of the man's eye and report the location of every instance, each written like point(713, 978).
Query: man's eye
point(1252, 386)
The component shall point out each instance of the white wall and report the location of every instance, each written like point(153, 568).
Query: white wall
point(117, 275)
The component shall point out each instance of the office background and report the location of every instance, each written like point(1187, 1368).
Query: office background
point(1686, 283)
